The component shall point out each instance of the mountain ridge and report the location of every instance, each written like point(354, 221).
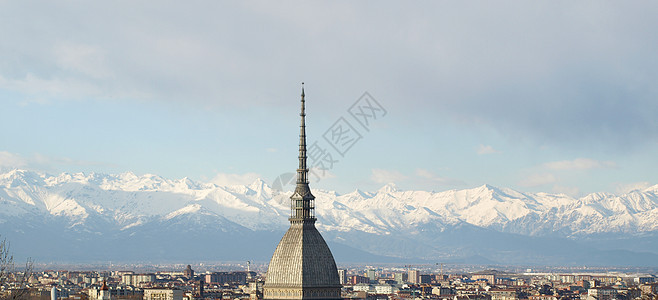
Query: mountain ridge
point(94, 206)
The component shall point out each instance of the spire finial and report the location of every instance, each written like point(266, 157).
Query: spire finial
point(302, 91)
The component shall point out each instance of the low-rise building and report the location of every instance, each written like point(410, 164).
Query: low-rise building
point(644, 279)
point(363, 287)
point(163, 294)
point(602, 293)
point(385, 289)
point(503, 294)
point(137, 279)
point(651, 288)
point(441, 291)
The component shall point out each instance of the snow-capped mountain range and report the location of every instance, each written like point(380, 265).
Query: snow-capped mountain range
point(129, 217)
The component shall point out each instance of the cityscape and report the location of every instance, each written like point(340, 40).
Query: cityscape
point(328, 150)
point(438, 281)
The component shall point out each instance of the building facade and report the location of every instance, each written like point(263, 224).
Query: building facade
point(188, 272)
point(414, 276)
point(137, 279)
point(342, 276)
point(229, 277)
point(163, 294)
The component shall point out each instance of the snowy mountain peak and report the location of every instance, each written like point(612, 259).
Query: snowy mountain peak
point(360, 194)
point(388, 188)
point(187, 184)
point(651, 189)
point(257, 185)
point(126, 199)
point(20, 177)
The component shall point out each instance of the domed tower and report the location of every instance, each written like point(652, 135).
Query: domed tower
point(104, 293)
point(302, 266)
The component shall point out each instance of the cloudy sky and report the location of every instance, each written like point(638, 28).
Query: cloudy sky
point(553, 96)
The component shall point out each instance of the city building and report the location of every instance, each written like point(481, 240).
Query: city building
point(644, 279)
point(503, 294)
point(53, 293)
point(603, 293)
point(414, 276)
point(441, 290)
point(163, 294)
point(102, 293)
point(385, 289)
point(400, 278)
point(188, 273)
point(370, 273)
point(363, 287)
point(488, 276)
point(137, 279)
point(424, 279)
point(356, 279)
point(650, 288)
point(342, 276)
point(302, 266)
point(229, 277)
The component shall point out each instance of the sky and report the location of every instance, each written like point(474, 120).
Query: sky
point(541, 96)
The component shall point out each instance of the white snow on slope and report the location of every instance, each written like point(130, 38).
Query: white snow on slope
point(128, 200)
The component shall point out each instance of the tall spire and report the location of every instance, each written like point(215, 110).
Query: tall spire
point(302, 171)
point(302, 206)
point(302, 267)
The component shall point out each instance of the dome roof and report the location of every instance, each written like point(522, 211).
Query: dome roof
point(302, 259)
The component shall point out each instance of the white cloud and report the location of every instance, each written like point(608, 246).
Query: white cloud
point(11, 160)
point(200, 58)
point(580, 164)
point(84, 59)
point(42, 90)
point(41, 162)
point(486, 149)
point(537, 179)
point(204, 60)
point(623, 188)
point(425, 174)
point(436, 179)
point(386, 176)
point(224, 179)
